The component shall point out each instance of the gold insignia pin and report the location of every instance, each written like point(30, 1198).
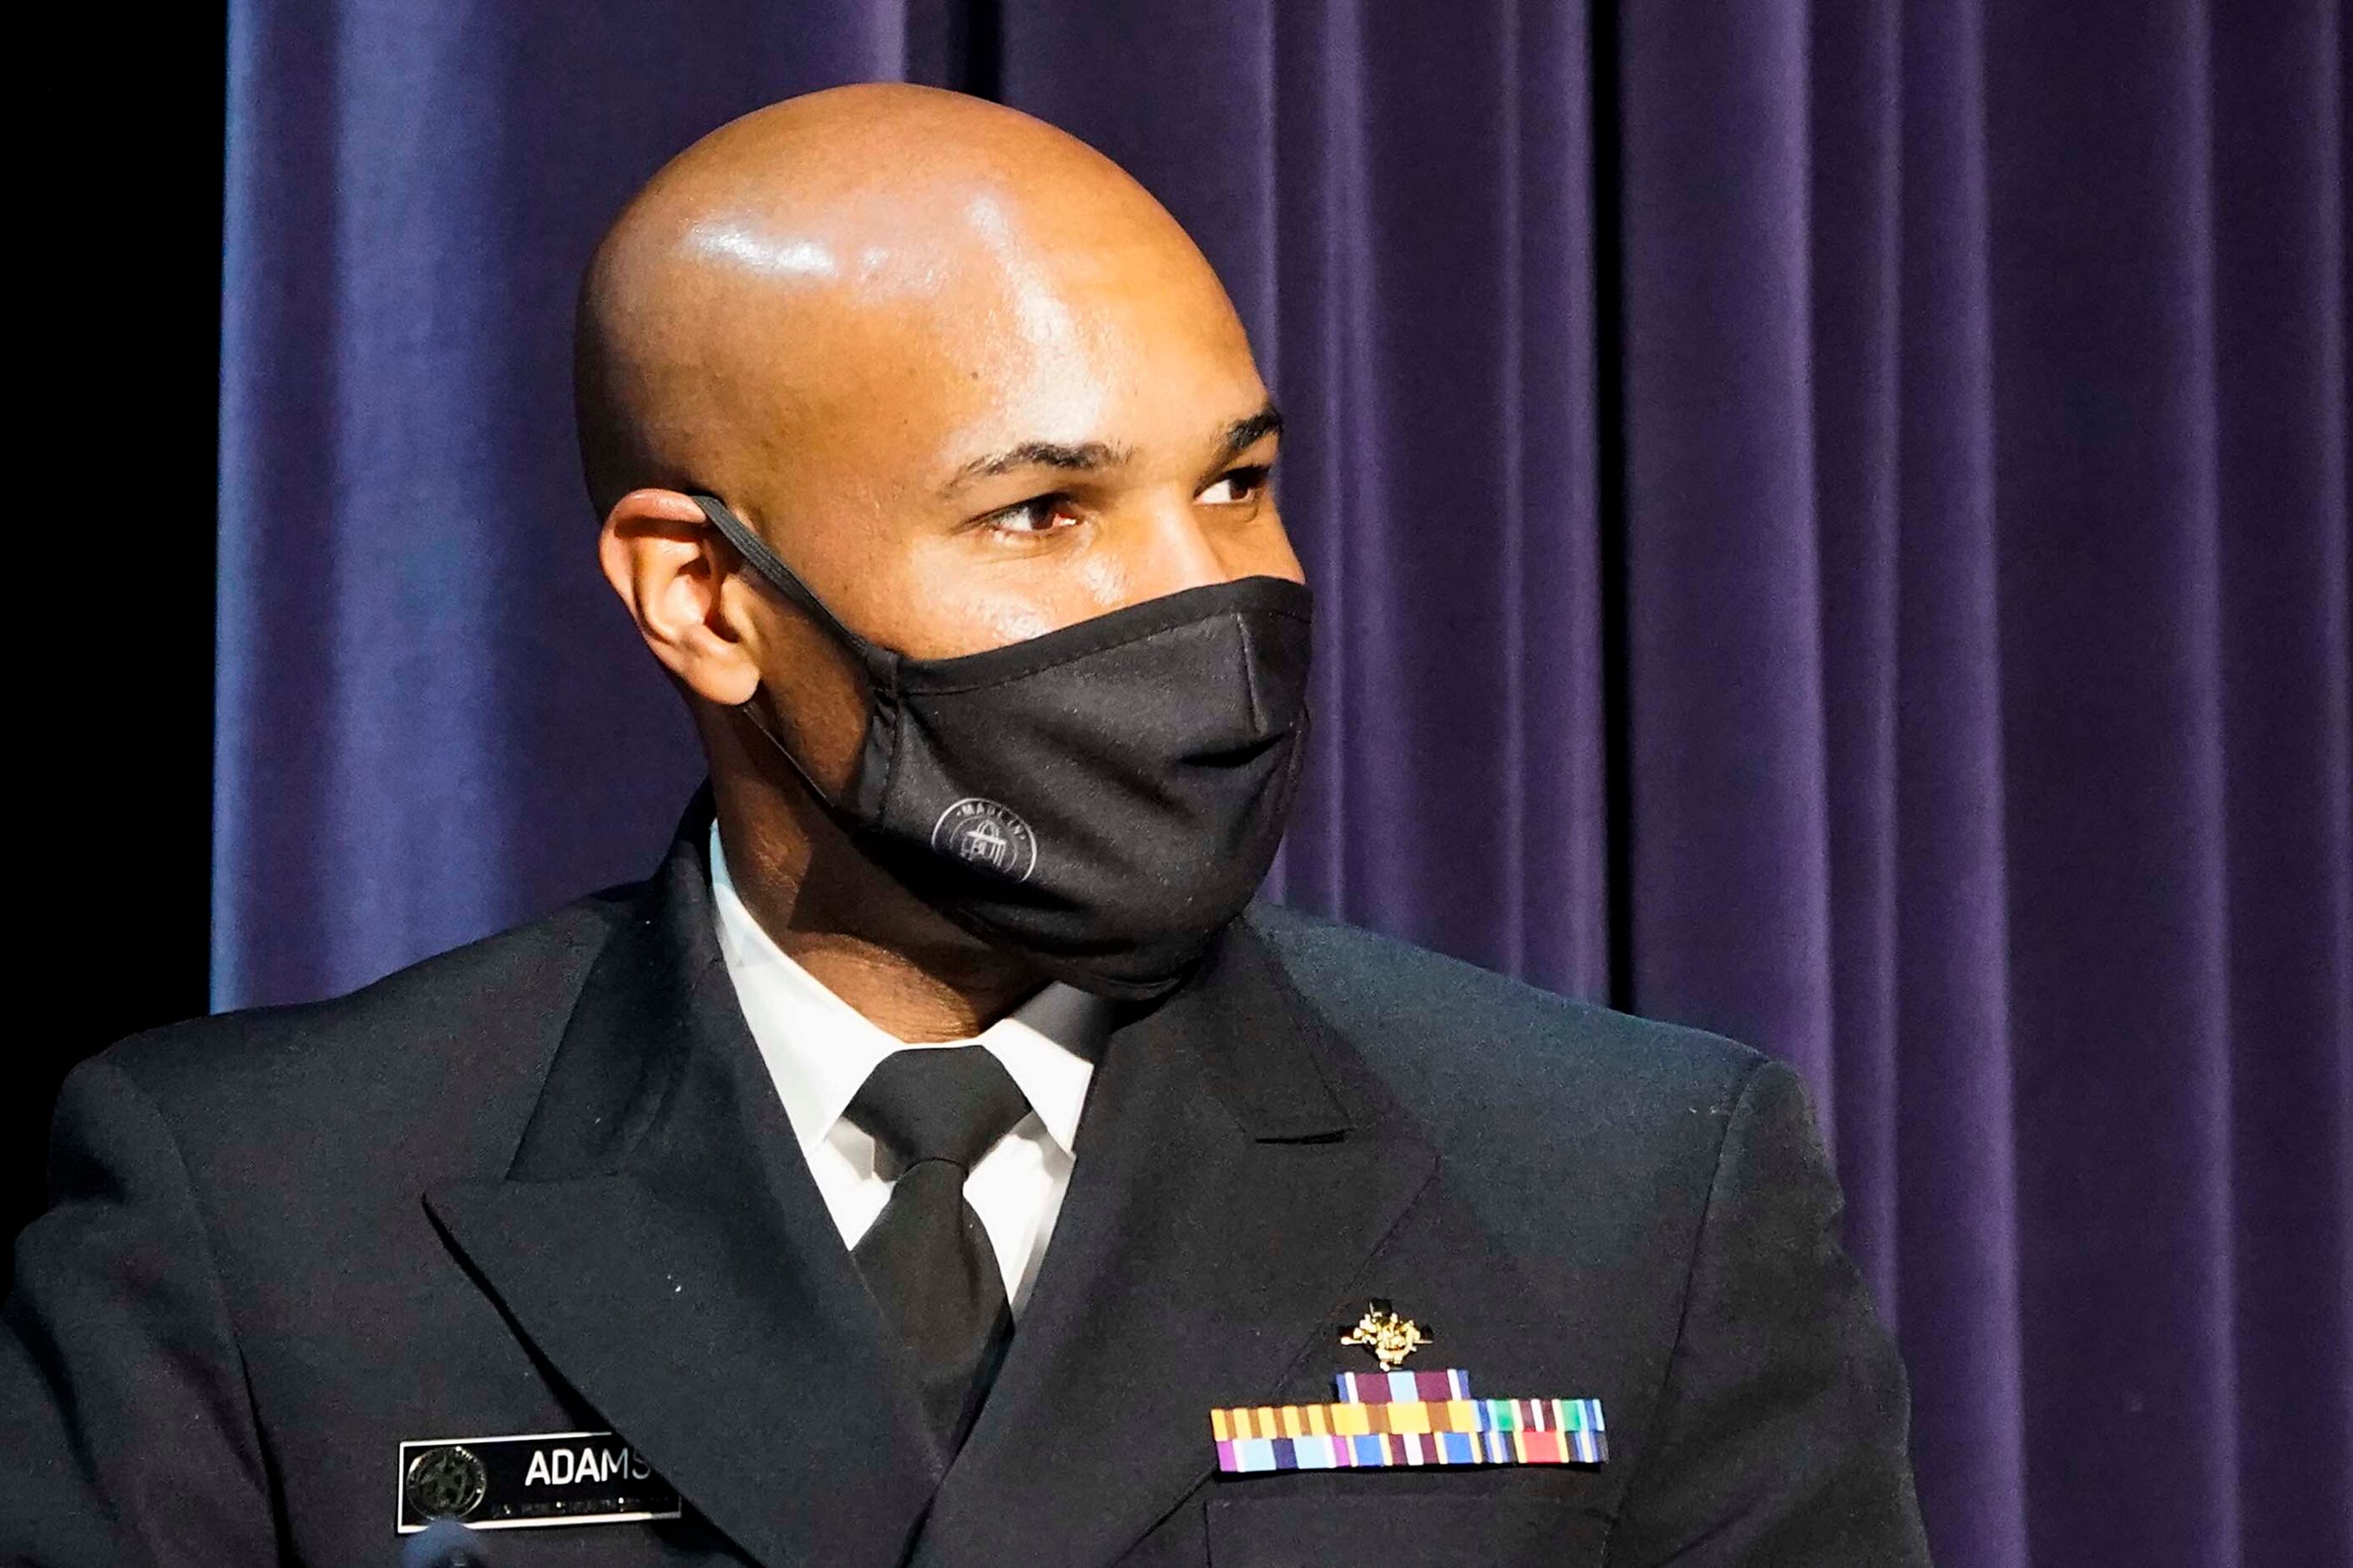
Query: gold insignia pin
point(1390, 1338)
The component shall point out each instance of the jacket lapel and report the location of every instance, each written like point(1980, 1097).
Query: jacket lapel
point(660, 1242)
point(1226, 1198)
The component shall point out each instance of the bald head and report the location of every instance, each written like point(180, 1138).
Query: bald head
point(959, 369)
point(846, 246)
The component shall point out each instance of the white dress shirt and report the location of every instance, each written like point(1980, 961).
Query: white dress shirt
point(820, 1050)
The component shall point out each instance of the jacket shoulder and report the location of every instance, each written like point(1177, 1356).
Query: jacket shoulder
point(1476, 1056)
point(453, 1047)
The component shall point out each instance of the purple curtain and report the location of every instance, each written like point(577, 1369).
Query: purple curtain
point(1829, 522)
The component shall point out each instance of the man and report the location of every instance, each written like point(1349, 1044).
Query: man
point(934, 471)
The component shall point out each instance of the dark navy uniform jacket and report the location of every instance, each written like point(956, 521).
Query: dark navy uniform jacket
point(544, 1184)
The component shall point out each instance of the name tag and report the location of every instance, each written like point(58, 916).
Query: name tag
point(541, 1477)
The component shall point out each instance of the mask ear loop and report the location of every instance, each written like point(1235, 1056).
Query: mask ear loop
point(781, 577)
point(878, 663)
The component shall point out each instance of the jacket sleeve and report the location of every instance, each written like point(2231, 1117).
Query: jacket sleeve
point(1782, 1427)
point(124, 1406)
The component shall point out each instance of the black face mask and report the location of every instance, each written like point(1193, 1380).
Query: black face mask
point(1103, 799)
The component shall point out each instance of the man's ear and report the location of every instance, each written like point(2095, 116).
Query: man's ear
point(670, 568)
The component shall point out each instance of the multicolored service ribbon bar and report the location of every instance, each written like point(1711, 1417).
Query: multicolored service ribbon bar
point(1400, 1387)
point(1409, 1432)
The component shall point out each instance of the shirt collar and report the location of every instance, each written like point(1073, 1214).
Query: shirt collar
point(819, 1049)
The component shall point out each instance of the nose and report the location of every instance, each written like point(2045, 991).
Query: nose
point(1173, 553)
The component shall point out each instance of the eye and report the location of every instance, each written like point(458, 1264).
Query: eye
point(1041, 514)
point(1239, 487)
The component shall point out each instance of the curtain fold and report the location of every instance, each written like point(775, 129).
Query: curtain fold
point(1950, 1050)
point(429, 722)
point(2283, 691)
point(1828, 522)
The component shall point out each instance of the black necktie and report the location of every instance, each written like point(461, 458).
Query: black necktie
point(927, 1259)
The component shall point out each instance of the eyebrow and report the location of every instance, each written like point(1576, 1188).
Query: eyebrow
point(1085, 457)
point(1244, 434)
point(1089, 457)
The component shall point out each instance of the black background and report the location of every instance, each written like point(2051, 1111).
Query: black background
point(117, 234)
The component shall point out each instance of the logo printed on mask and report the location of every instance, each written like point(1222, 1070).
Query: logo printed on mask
point(982, 833)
